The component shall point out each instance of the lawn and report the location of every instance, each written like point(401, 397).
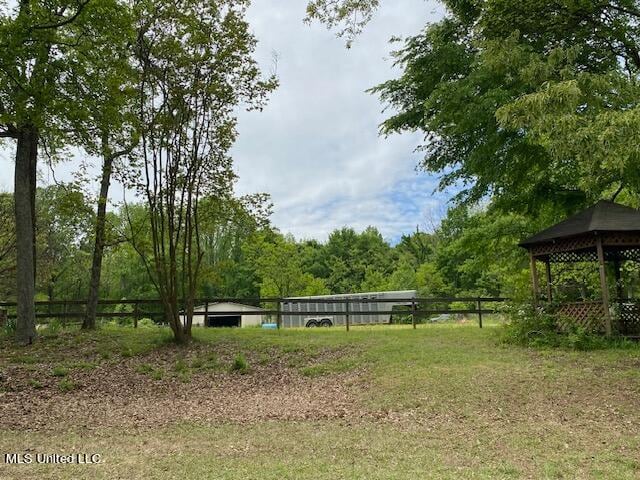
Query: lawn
point(442, 401)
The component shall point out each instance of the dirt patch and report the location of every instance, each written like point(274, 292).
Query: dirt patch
point(171, 385)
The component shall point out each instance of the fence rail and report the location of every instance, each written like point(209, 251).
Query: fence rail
point(75, 309)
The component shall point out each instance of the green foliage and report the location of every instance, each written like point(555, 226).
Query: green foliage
point(9, 328)
point(54, 326)
point(35, 383)
point(146, 323)
point(350, 16)
point(60, 371)
point(240, 364)
point(278, 265)
point(531, 112)
point(536, 328)
point(67, 385)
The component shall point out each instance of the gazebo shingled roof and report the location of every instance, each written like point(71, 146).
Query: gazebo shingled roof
point(604, 216)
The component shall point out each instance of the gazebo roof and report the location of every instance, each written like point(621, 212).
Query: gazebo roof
point(604, 216)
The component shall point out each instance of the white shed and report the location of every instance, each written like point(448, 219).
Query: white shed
point(228, 314)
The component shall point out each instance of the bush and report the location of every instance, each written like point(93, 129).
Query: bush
point(533, 327)
point(146, 323)
point(529, 326)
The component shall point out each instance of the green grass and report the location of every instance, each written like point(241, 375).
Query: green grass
point(66, 385)
point(240, 364)
point(60, 371)
point(455, 403)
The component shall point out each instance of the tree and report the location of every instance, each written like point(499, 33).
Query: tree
point(7, 247)
point(196, 69)
point(38, 66)
point(418, 246)
point(374, 281)
point(111, 131)
point(350, 15)
point(225, 225)
point(348, 254)
point(403, 276)
point(509, 111)
point(63, 237)
point(277, 264)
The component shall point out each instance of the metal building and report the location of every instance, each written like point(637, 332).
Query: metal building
point(217, 315)
point(322, 313)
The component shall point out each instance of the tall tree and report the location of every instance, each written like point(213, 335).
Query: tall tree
point(37, 68)
point(111, 129)
point(196, 69)
point(530, 111)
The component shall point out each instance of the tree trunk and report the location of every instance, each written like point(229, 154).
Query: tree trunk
point(98, 250)
point(25, 180)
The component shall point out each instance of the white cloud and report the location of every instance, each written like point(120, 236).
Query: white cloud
point(315, 148)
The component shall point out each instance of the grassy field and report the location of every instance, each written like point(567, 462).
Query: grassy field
point(443, 401)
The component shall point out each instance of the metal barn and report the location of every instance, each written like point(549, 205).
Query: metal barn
point(322, 313)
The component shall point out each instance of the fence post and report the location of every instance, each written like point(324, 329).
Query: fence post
point(279, 317)
point(347, 314)
point(206, 314)
point(136, 313)
point(479, 306)
point(413, 314)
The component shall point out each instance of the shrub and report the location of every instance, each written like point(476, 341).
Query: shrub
point(146, 323)
point(533, 327)
point(529, 326)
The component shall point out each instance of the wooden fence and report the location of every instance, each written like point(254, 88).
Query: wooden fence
point(72, 311)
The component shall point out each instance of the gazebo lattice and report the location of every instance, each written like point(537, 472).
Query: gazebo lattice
point(605, 233)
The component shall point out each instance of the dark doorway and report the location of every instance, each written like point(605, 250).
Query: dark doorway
point(224, 321)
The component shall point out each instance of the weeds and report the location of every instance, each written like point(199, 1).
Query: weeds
point(35, 383)
point(60, 371)
point(240, 364)
point(66, 385)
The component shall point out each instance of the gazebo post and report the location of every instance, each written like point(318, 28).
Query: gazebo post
point(534, 279)
point(547, 265)
point(604, 287)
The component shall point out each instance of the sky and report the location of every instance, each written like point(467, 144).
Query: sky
point(316, 148)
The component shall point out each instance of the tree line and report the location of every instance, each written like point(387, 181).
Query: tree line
point(472, 252)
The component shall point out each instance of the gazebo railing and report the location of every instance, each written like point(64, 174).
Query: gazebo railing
point(590, 315)
point(586, 314)
point(627, 313)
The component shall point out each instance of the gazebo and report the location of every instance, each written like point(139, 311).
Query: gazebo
point(607, 233)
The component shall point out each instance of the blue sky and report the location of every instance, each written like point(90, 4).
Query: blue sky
point(316, 148)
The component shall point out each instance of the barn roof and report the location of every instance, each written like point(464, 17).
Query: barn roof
point(236, 304)
point(604, 216)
